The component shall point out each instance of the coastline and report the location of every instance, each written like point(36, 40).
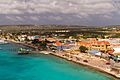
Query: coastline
point(88, 65)
point(74, 60)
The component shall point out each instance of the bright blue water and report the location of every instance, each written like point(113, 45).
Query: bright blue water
point(41, 67)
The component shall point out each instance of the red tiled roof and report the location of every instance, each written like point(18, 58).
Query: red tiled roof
point(115, 44)
point(110, 51)
point(58, 43)
point(69, 44)
point(105, 42)
point(83, 43)
point(100, 43)
point(51, 39)
point(39, 39)
point(93, 43)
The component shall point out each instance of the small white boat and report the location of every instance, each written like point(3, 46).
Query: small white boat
point(45, 52)
point(3, 42)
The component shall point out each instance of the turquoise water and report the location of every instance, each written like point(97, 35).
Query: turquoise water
point(41, 67)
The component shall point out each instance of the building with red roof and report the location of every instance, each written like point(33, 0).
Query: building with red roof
point(57, 43)
point(101, 46)
point(96, 45)
point(51, 39)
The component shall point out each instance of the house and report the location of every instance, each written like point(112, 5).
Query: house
point(115, 42)
point(83, 43)
point(51, 39)
point(58, 45)
point(95, 45)
point(30, 37)
point(22, 37)
point(101, 46)
point(62, 46)
point(115, 51)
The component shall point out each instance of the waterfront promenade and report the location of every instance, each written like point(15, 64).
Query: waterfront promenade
point(91, 62)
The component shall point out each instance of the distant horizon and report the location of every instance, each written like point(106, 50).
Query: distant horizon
point(57, 24)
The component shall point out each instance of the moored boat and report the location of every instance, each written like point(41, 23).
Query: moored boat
point(3, 42)
point(46, 52)
point(24, 51)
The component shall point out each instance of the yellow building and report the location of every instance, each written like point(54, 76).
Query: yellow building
point(96, 45)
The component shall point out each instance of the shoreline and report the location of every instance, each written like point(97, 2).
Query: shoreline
point(88, 65)
point(75, 61)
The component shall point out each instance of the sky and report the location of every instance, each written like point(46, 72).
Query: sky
point(70, 12)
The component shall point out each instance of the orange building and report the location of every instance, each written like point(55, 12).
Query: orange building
point(57, 43)
point(96, 45)
point(101, 46)
point(86, 44)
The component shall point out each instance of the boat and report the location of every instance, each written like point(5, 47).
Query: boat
point(3, 42)
point(45, 52)
point(24, 51)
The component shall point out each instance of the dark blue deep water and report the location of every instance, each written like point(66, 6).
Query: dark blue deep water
point(41, 67)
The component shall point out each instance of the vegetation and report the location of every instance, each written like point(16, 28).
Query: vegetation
point(83, 49)
point(42, 45)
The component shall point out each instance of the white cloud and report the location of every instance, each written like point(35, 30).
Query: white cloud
point(57, 18)
point(60, 6)
point(34, 18)
point(83, 9)
point(10, 18)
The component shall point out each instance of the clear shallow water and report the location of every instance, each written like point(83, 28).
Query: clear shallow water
point(41, 67)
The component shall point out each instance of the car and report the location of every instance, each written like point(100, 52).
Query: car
point(115, 58)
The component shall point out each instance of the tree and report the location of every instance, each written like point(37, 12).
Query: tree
point(35, 41)
point(83, 49)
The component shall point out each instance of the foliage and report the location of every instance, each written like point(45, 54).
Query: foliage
point(90, 36)
point(35, 41)
point(41, 44)
point(83, 49)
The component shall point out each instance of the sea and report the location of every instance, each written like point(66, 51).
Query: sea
point(42, 67)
